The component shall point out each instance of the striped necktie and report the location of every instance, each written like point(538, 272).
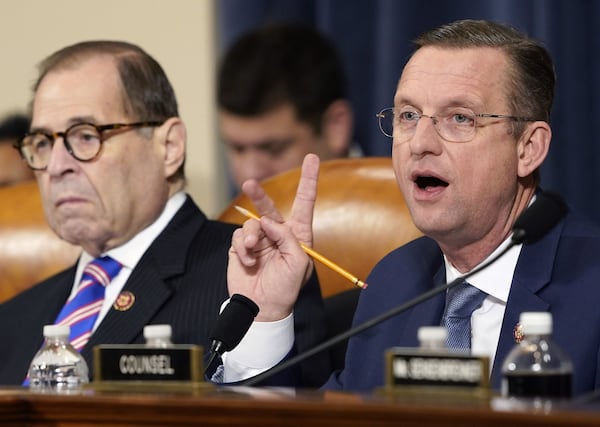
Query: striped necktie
point(81, 311)
point(461, 301)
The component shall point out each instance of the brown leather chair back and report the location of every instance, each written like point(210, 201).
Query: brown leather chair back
point(29, 249)
point(360, 215)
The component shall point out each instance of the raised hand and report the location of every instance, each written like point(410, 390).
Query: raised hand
point(266, 262)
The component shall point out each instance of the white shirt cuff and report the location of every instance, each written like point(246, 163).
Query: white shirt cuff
point(264, 345)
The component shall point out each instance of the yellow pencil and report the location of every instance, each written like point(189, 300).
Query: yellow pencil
point(314, 254)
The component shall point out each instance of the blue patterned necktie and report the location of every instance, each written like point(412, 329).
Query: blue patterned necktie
point(81, 311)
point(461, 301)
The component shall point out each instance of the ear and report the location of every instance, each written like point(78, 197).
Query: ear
point(533, 147)
point(338, 123)
point(173, 140)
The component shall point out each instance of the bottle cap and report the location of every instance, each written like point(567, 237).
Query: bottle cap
point(157, 331)
point(432, 333)
point(536, 323)
point(57, 331)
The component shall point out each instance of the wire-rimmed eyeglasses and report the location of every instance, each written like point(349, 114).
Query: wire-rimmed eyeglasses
point(83, 141)
point(453, 125)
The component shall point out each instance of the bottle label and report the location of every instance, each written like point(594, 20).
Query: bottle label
point(57, 367)
point(537, 385)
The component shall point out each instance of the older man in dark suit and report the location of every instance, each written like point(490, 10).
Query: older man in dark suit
point(108, 149)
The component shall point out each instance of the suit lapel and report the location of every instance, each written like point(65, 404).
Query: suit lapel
point(532, 273)
point(58, 290)
point(428, 312)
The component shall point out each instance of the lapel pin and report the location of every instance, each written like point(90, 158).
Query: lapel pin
point(124, 301)
point(518, 333)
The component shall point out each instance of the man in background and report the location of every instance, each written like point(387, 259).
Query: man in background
point(12, 168)
point(281, 94)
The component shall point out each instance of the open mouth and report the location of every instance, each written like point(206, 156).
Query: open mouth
point(424, 182)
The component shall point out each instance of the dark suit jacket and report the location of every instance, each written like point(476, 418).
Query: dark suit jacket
point(560, 273)
point(181, 280)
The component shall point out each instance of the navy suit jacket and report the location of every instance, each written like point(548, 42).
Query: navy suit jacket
point(560, 273)
point(180, 280)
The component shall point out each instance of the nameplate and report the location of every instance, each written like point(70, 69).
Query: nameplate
point(422, 367)
point(136, 362)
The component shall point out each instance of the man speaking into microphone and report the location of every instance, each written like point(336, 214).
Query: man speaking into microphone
point(470, 130)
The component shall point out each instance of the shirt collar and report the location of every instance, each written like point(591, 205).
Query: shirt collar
point(130, 252)
point(496, 279)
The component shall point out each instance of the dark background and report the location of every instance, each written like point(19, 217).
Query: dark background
point(374, 38)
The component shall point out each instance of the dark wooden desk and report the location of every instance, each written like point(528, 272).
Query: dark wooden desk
point(266, 407)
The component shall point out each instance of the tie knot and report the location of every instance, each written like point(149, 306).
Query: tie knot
point(463, 299)
point(102, 270)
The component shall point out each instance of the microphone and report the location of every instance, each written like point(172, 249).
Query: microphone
point(231, 326)
point(539, 218)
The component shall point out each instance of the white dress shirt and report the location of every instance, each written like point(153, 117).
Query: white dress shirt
point(129, 254)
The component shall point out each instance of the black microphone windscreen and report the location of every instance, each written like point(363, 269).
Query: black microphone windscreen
point(233, 323)
point(543, 214)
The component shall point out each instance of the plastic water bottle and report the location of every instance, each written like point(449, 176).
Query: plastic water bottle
point(433, 338)
point(158, 336)
point(537, 367)
point(57, 367)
